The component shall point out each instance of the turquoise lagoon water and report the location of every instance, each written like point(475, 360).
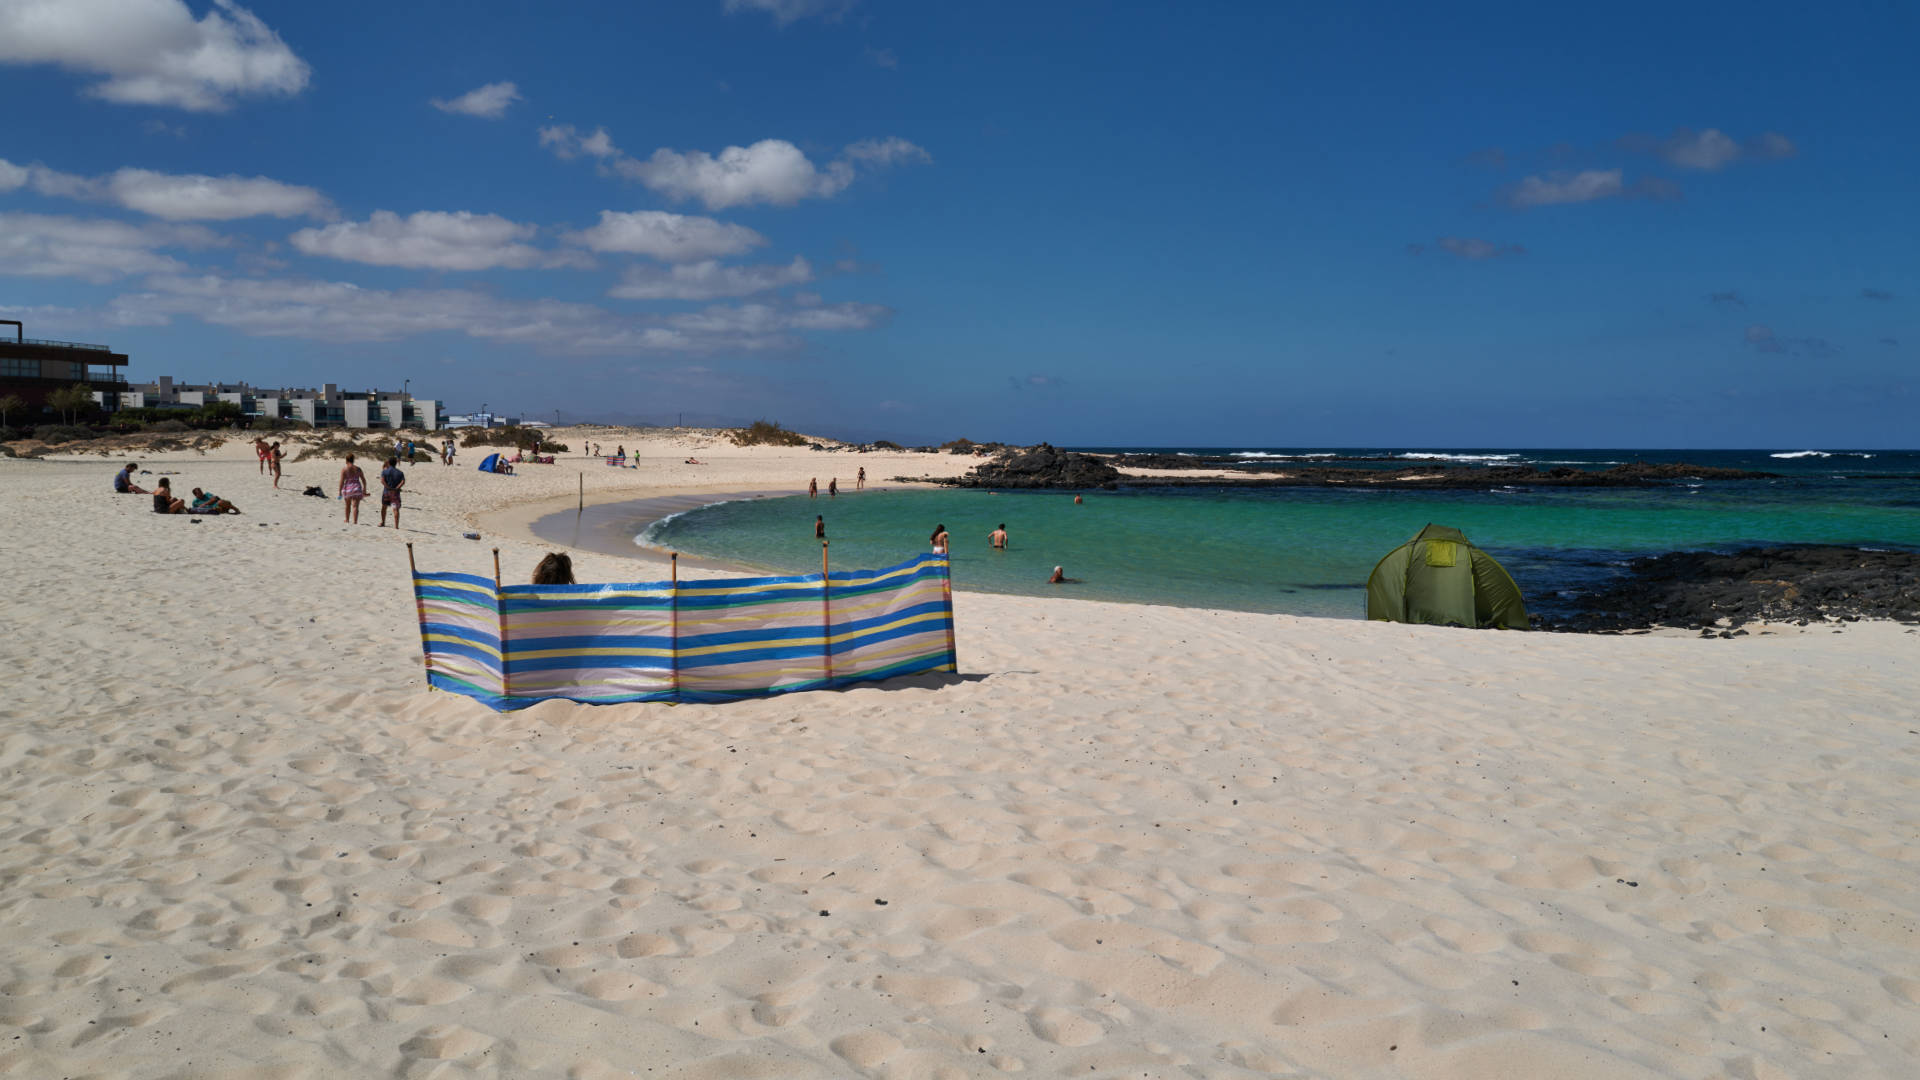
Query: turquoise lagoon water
point(1308, 551)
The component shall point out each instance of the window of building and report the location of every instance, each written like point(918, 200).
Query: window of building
point(13, 367)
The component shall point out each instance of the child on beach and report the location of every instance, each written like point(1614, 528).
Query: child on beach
point(353, 488)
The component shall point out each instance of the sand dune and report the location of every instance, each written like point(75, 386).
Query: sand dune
point(242, 841)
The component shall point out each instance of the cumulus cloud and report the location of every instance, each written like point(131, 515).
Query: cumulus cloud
point(154, 52)
point(769, 171)
point(95, 250)
point(1709, 149)
point(708, 280)
point(668, 237)
point(432, 240)
point(1469, 248)
point(175, 196)
point(1875, 294)
point(1589, 185)
point(489, 102)
point(788, 11)
point(339, 311)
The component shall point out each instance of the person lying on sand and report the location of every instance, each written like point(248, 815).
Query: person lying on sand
point(123, 481)
point(163, 500)
point(206, 502)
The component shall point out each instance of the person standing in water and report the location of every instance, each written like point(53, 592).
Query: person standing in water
point(998, 537)
point(819, 527)
point(813, 487)
point(833, 487)
point(939, 539)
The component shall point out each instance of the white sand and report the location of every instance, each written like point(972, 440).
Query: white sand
point(240, 840)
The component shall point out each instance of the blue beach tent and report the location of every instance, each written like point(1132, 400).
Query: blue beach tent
point(491, 464)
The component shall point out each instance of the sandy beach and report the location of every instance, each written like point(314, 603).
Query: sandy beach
point(243, 840)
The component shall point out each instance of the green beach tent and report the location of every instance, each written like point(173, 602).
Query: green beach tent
point(1439, 577)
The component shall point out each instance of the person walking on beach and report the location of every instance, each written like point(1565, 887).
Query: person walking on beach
point(391, 481)
point(813, 487)
point(860, 481)
point(819, 527)
point(353, 488)
point(939, 539)
point(998, 537)
point(273, 462)
point(833, 487)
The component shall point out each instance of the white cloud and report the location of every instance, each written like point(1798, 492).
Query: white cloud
point(1708, 150)
point(1471, 247)
point(892, 150)
point(489, 101)
point(770, 171)
point(1567, 188)
point(175, 197)
point(92, 249)
point(193, 197)
point(339, 311)
point(708, 280)
point(667, 237)
point(787, 11)
point(154, 52)
point(432, 240)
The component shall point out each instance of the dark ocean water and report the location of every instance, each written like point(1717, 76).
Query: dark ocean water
point(1309, 550)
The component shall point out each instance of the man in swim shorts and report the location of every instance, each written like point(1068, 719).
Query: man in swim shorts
point(998, 537)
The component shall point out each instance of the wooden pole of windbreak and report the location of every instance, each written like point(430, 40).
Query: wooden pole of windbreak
point(500, 621)
point(583, 492)
point(826, 616)
point(673, 641)
point(946, 594)
point(420, 615)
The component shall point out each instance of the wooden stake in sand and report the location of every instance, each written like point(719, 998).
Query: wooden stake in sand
point(946, 592)
point(500, 621)
point(583, 492)
point(420, 614)
point(673, 642)
point(826, 616)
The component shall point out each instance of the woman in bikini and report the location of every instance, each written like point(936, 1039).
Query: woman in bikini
point(939, 539)
point(353, 488)
point(273, 459)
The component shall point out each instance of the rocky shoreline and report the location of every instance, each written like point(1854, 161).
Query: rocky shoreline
point(1045, 466)
point(1718, 593)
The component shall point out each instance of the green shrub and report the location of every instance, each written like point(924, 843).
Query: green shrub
point(523, 438)
point(54, 434)
point(766, 433)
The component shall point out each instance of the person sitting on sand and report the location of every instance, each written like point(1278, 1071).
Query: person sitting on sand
point(998, 537)
point(163, 500)
point(555, 569)
point(206, 502)
point(353, 488)
point(123, 481)
point(939, 539)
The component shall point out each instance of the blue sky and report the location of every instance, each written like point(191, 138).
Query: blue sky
point(1094, 224)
